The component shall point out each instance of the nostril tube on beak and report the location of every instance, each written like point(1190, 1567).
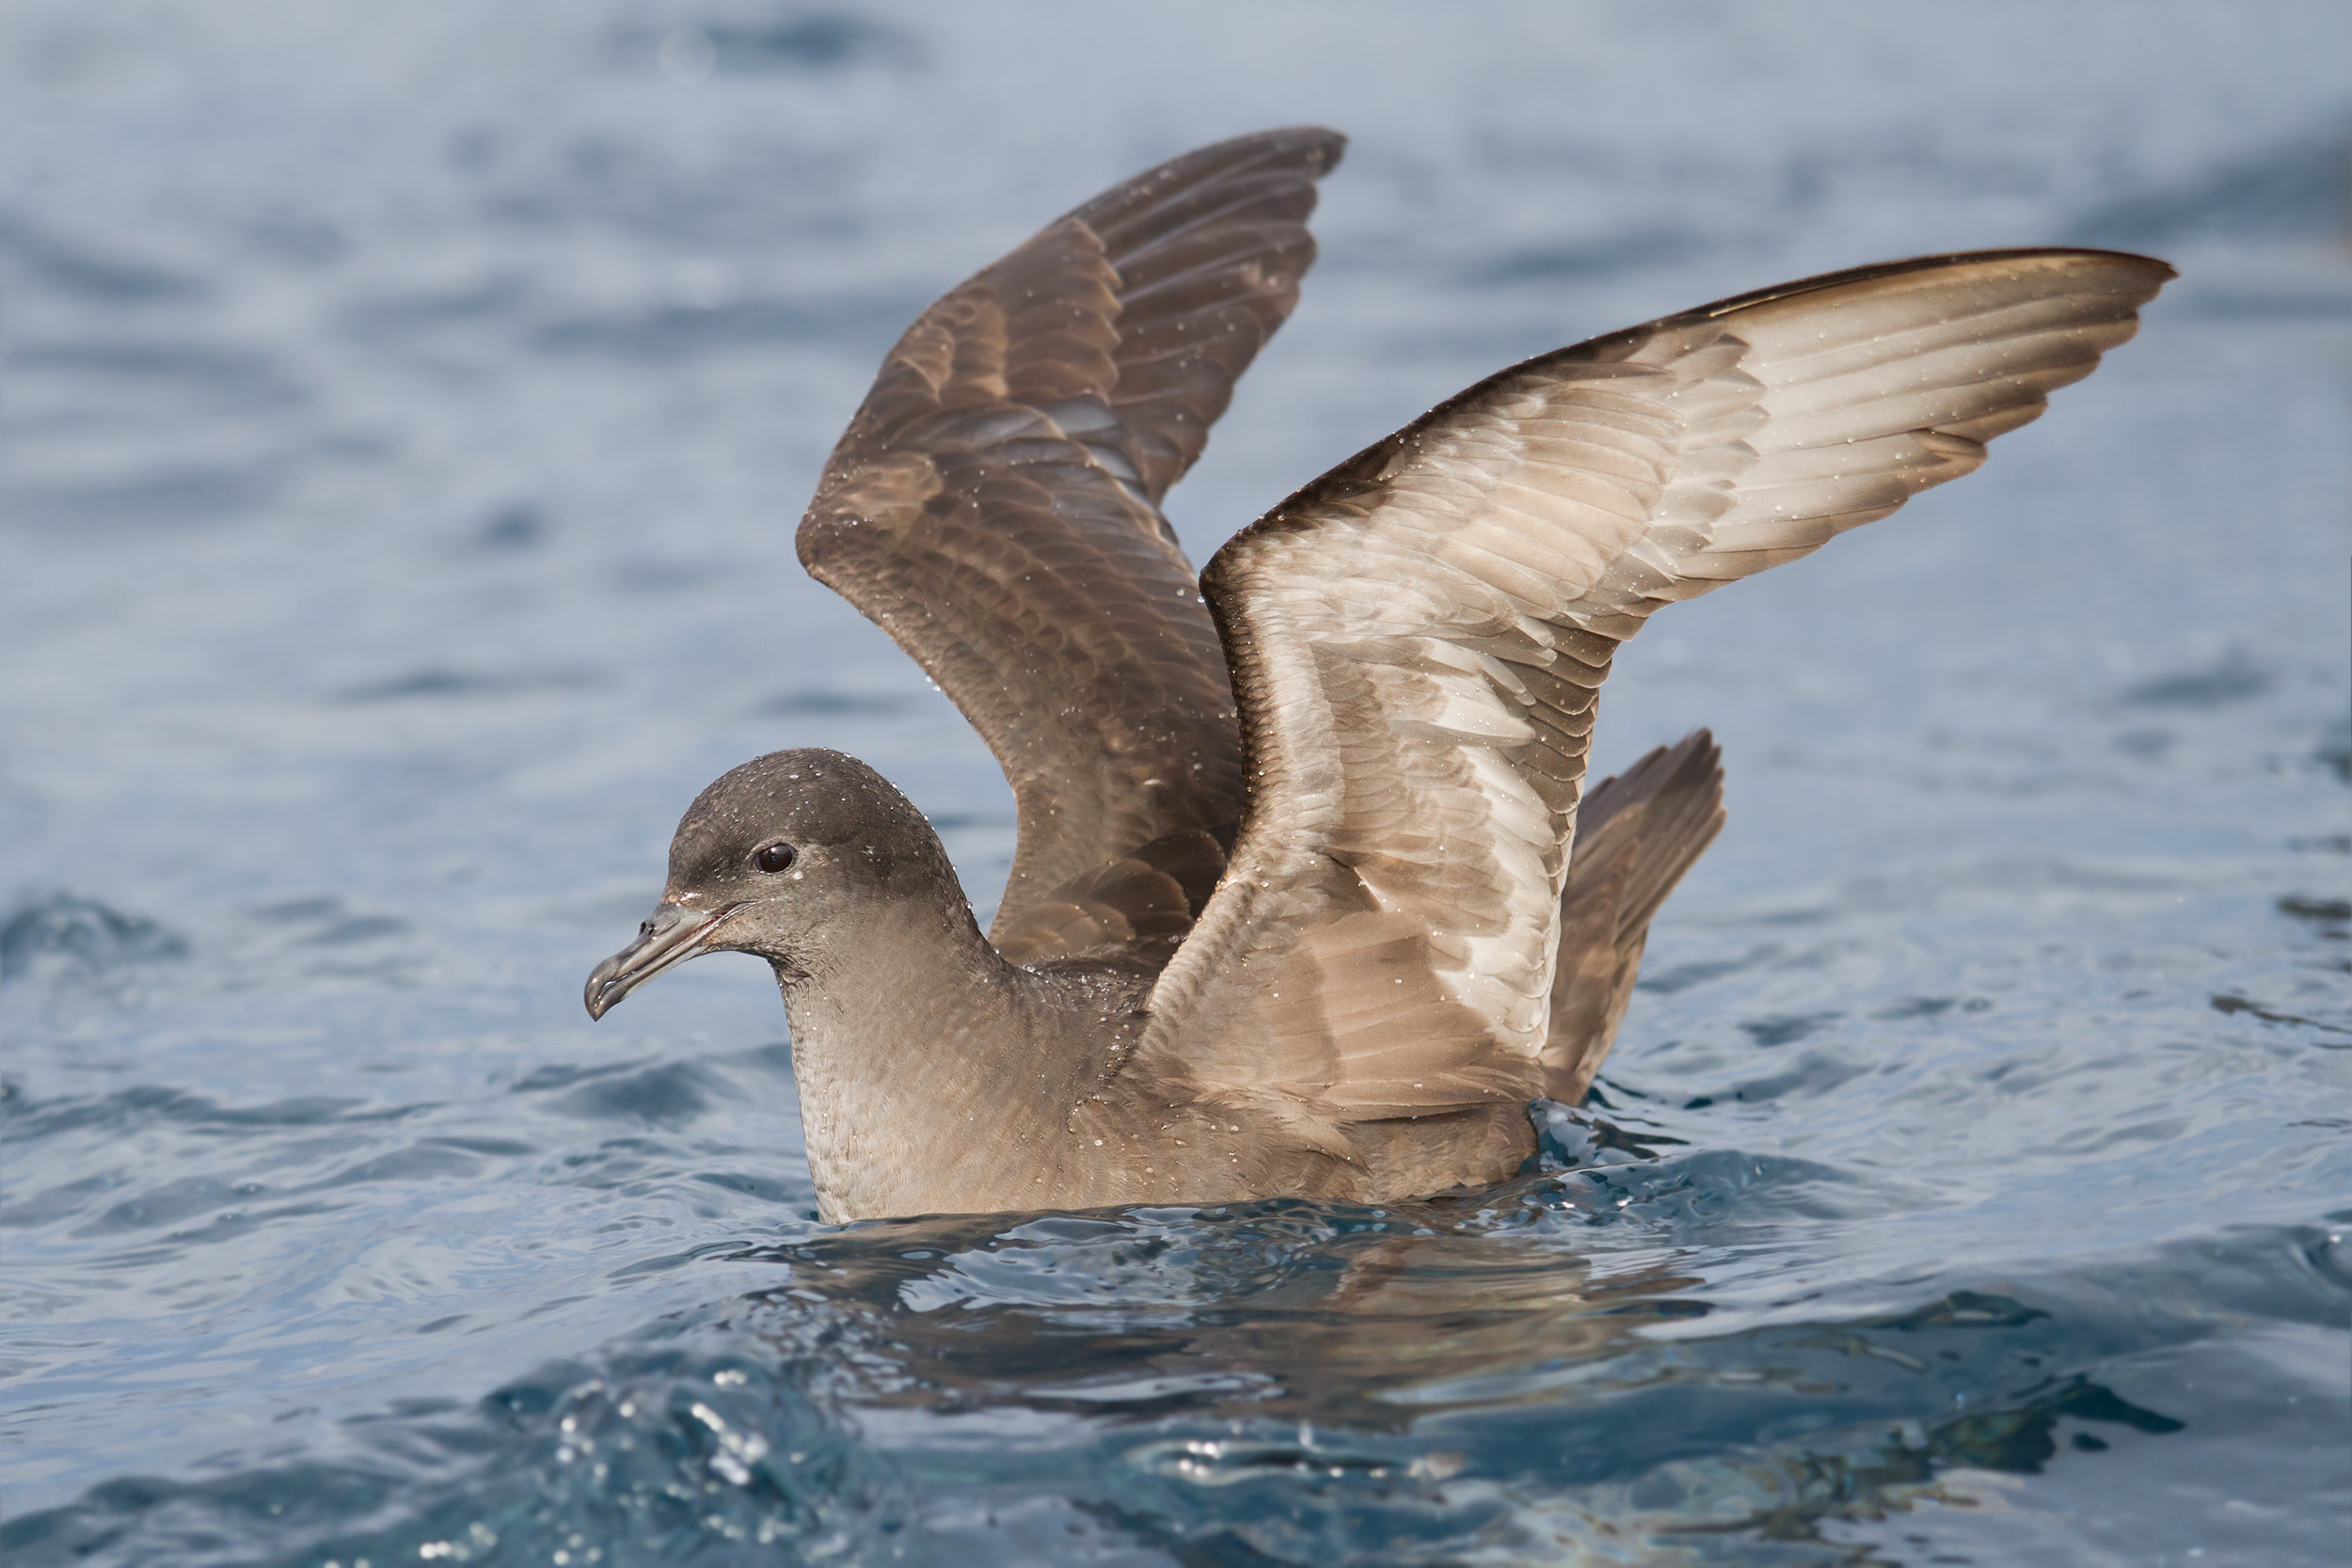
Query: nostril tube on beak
point(672, 935)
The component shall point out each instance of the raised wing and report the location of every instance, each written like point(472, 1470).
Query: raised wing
point(994, 505)
point(1417, 641)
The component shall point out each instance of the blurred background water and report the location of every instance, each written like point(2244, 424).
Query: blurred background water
point(403, 414)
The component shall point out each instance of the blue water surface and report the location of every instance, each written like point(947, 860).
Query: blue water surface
point(403, 414)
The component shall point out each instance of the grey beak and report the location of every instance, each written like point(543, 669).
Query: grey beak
point(675, 934)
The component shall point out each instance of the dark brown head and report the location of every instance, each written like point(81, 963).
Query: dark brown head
point(784, 857)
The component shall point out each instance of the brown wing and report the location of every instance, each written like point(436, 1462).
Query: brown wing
point(994, 505)
point(1136, 909)
point(1419, 638)
point(1636, 835)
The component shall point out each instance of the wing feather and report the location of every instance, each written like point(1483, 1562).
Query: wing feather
point(995, 506)
point(1636, 835)
point(1417, 641)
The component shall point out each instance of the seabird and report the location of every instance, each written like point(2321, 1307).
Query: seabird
point(1310, 899)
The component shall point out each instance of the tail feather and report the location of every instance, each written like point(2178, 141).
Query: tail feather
point(1636, 835)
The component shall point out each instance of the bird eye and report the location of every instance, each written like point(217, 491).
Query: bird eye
point(775, 857)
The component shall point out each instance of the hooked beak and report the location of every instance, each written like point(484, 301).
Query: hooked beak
point(674, 935)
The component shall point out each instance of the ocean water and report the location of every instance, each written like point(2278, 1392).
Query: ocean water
point(403, 414)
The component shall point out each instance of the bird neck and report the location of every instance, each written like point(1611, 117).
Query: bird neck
point(915, 1049)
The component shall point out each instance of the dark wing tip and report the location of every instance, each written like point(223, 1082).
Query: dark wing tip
point(1320, 148)
point(1319, 139)
point(1316, 149)
point(1129, 211)
point(2146, 271)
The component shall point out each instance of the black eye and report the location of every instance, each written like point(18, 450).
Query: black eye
point(775, 857)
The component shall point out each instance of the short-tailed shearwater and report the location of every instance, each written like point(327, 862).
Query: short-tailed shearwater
point(1309, 897)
